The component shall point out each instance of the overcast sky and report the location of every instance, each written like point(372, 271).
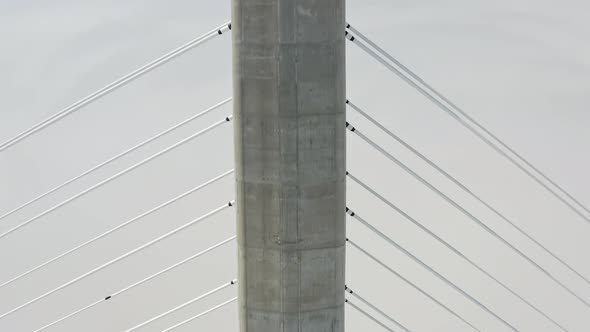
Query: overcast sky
point(521, 67)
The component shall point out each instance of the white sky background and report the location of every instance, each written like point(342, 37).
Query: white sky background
point(521, 67)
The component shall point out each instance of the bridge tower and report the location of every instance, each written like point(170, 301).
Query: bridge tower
point(290, 156)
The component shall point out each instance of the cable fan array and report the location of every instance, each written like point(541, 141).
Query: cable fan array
point(473, 126)
point(103, 236)
point(365, 307)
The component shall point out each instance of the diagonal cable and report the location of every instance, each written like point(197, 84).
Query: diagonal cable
point(139, 283)
point(409, 282)
point(116, 85)
point(118, 156)
point(464, 188)
point(381, 312)
point(466, 125)
point(431, 270)
point(465, 212)
point(116, 176)
point(217, 307)
point(453, 249)
point(130, 253)
point(184, 305)
point(113, 230)
point(366, 314)
point(467, 116)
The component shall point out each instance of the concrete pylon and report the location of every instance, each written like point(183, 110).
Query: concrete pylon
point(289, 108)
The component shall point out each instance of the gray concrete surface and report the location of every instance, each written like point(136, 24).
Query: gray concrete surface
point(289, 88)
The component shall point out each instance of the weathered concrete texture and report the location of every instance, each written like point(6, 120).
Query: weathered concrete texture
point(289, 90)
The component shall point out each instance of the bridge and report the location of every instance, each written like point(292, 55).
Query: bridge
point(319, 224)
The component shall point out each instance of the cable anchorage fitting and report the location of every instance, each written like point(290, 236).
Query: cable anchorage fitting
point(349, 36)
point(220, 31)
point(350, 212)
point(350, 127)
point(348, 290)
